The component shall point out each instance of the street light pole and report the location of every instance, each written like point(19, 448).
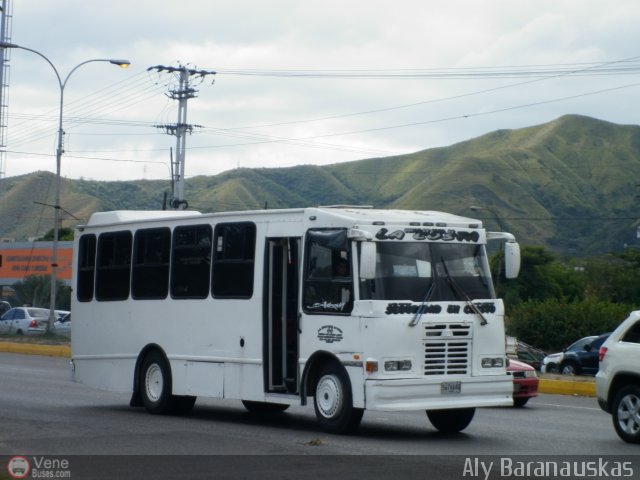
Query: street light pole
point(59, 150)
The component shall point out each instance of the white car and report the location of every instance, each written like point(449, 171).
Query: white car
point(63, 326)
point(18, 319)
point(38, 327)
point(618, 379)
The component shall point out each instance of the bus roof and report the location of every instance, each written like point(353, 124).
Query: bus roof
point(119, 216)
point(352, 214)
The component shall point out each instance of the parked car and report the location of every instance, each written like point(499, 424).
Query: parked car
point(63, 326)
point(551, 363)
point(38, 327)
point(18, 319)
point(618, 380)
point(584, 361)
point(525, 382)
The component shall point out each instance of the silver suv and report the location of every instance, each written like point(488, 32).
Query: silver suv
point(618, 380)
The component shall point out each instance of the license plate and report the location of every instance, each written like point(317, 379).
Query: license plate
point(450, 388)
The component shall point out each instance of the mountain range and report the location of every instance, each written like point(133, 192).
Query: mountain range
point(570, 185)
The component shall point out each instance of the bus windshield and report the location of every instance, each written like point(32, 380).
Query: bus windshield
point(429, 272)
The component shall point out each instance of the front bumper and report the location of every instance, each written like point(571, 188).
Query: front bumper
point(425, 393)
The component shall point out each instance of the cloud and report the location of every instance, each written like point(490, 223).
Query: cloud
point(110, 114)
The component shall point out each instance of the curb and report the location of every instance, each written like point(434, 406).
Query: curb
point(567, 387)
point(34, 349)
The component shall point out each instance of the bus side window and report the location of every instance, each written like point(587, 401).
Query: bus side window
point(233, 261)
point(150, 276)
point(86, 267)
point(328, 286)
point(191, 261)
point(113, 273)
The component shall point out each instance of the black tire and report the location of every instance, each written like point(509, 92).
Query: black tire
point(551, 368)
point(451, 421)
point(626, 413)
point(333, 401)
point(19, 332)
point(155, 385)
point(520, 401)
point(262, 408)
point(569, 368)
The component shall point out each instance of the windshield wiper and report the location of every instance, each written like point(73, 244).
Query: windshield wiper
point(461, 293)
point(421, 308)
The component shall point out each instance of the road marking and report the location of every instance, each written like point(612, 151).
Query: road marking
point(567, 406)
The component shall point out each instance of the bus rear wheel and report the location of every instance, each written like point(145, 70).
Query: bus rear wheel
point(333, 401)
point(156, 386)
point(451, 421)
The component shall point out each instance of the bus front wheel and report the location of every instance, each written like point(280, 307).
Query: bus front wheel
point(451, 421)
point(155, 387)
point(333, 401)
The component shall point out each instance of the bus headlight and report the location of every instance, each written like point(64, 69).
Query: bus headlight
point(492, 362)
point(397, 365)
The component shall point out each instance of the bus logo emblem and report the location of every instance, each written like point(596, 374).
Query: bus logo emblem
point(329, 334)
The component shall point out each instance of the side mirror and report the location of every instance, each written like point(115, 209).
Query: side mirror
point(367, 260)
point(511, 259)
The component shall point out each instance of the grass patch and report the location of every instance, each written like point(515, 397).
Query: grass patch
point(36, 339)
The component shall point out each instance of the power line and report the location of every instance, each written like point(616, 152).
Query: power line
point(628, 66)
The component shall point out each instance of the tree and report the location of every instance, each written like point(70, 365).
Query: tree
point(35, 290)
point(63, 234)
point(541, 277)
point(615, 277)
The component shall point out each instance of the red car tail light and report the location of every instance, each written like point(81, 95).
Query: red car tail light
point(601, 353)
point(33, 324)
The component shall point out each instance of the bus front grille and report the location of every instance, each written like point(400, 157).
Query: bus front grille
point(448, 357)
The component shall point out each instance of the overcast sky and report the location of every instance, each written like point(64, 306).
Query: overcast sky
point(302, 82)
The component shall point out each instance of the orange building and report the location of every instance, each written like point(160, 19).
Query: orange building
point(21, 259)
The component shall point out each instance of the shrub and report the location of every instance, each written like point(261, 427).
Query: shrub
point(553, 324)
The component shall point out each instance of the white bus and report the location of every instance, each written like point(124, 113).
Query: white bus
point(350, 308)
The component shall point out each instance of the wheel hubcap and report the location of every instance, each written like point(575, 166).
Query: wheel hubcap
point(154, 382)
point(629, 414)
point(329, 396)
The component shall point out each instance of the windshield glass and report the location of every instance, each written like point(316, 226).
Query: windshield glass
point(429, 272)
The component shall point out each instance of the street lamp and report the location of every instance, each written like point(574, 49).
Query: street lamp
point(56, 207)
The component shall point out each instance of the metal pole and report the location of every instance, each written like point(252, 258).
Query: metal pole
point(59, 150)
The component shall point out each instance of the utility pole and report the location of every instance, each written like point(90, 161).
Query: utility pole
point(183, 92)
point(5, 36)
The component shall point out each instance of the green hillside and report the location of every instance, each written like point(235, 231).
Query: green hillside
point(569, 185)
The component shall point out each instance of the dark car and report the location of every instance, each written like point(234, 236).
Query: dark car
point(584, 361)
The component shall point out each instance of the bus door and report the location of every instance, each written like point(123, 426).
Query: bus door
point(281, 314)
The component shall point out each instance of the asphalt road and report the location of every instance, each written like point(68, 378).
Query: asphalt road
point(43, 413)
